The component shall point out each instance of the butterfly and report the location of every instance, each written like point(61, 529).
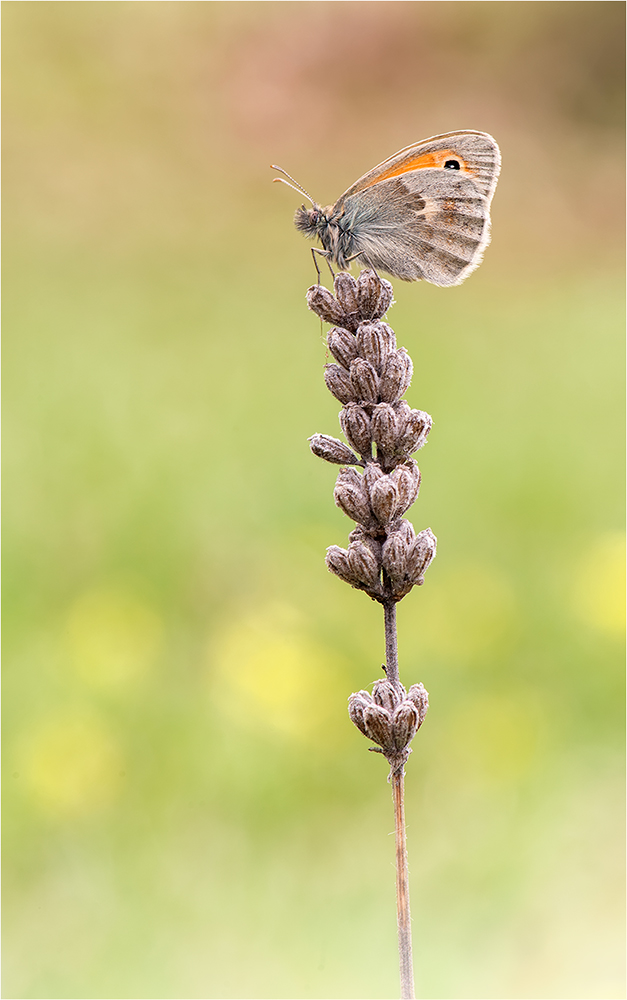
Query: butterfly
point(423, 213)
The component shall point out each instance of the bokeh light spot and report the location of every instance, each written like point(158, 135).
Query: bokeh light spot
point(599, 592)
point(271, 675)
point(71, 764)
point(113, 637)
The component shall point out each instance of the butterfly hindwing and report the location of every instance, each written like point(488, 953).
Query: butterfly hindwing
point(421, 224)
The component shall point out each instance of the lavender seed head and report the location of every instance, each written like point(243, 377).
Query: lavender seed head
point(386, 695)
point(346, 293)
point(405, 724)
point(342, 345)
point(378, 725)
point(365, 381)
point(375, 341)
point(420, 698)
point(384, 499)
point(322, 302)
point(421, 555)
point(396, 376)
point(332, 450)
point(339, 384)
point(374, 295)
point(355, 423)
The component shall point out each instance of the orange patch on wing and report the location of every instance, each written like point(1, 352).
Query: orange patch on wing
point(422, 162)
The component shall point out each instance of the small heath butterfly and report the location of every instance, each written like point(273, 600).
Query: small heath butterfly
point(424, 213)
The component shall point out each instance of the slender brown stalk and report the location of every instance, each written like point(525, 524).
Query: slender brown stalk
point(385, 557)
point(397, 779)
point(391, 643)
point(403, 915)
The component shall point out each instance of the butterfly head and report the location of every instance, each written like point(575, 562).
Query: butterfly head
point(311, 221)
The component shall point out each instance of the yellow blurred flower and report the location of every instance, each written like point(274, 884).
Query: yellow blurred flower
point(267, 672)
point(71, 764)
point(599, 588)
point(113, 637)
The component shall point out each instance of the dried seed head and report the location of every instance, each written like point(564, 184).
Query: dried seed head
point(378, 726)
point(384, 499)
point(321, 301)
point(351, 496)
point(386, 695)
point(405, 724)
point(420, 555)
point(356, 705)
point(372, 472)
point(406, 531)
point(339, 383)
point(420, 698)
point(396, 376)
point(342, 345)
point(355, 423)
point(394, 558)
point(375, 341)
point(345, 288)
point(337, 562)
point(415, 432)
point(363, 564)
point(407, 480)
point(332, 450)
point(365, 381)
point(374, 295)
point(385, 431)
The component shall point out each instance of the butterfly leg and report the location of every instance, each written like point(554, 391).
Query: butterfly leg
point(323, 253)
point(360, 253)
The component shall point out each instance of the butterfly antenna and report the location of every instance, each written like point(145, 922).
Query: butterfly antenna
point(294, 184)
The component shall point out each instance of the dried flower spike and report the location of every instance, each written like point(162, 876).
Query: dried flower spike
point(385, 557)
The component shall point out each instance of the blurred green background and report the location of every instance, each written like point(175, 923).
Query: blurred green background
point(188, 811)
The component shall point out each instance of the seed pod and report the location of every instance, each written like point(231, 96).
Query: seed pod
point(339, 383)
point(332, 450)
point(405, 724)
point(374, 295)
point(364, 566)
point(384, 499)
point(345, 288)
point(374, 343)
point(365, 381)
point(351, 496)
point(342, 345)
point(378, 726)
point(337, 562)
point(415, 433)
point(396, 376)
point(372, 472)
point(360, 534)
point(394, 557)
point(407, 480)
point(356, 705)
point(321, 301)
point(384, 425)
point(355, 423)
point(418, 695)
point(406, 531)
point(420, 556)
point(386, 695)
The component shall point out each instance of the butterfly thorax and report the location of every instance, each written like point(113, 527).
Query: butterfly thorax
point(326, 225)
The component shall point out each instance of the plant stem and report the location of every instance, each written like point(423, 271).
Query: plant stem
point(397, 778)
point(403, 915)
point(391, 643)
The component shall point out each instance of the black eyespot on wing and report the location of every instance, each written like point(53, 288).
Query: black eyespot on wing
point(452, 165)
